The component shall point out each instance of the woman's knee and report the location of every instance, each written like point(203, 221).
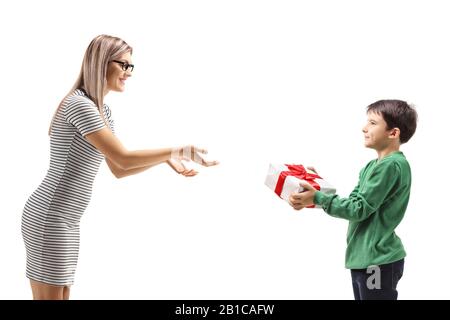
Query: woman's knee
point(43, 291)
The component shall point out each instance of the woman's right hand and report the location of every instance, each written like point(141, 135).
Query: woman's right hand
point(179, 167)
point(192, 153)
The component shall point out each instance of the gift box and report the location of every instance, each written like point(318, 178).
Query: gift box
point(284, 179)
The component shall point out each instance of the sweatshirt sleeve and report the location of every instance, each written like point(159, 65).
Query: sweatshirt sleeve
point(366, 198)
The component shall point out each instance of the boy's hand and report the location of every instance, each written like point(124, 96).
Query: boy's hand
point(303, 199)
point(312, 169)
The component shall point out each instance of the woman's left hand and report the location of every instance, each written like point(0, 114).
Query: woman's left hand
point(179, 167)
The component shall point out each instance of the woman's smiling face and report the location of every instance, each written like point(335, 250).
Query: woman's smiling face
point(116, 75)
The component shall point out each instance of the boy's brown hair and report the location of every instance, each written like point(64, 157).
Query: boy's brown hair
point(397, 114)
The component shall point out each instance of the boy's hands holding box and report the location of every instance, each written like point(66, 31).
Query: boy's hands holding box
point(297, 185)
point(299, 200)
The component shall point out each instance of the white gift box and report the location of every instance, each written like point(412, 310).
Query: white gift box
point(292, 183)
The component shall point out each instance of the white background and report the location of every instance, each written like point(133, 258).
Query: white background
point(254, 82)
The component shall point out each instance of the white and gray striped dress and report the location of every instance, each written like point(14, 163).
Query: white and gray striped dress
point(51, 217)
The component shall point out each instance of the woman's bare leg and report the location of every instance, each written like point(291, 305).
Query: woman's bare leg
point(66, 293)
point(43, 291)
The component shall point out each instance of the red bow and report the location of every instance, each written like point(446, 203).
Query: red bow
point(297, 171)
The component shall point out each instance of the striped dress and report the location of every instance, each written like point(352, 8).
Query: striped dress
point(51, 216)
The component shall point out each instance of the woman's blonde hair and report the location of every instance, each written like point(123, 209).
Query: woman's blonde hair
point(92, 79)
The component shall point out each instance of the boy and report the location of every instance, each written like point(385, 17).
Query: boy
point(376, 205)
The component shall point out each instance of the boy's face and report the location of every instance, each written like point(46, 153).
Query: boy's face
point(376, 134)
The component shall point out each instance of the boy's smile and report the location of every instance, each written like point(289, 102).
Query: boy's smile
point(376, 134)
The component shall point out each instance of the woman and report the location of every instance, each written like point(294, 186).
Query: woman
point(81, 136)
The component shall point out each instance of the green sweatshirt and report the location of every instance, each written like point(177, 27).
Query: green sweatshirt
point(374, 209)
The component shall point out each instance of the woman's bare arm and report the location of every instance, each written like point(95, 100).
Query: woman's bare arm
point(121, 173)
point(123, 162)
point(111, 147)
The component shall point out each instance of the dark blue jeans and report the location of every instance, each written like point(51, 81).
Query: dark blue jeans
point(377, 283)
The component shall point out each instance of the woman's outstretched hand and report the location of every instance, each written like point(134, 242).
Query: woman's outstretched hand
point(192, 153)
point(188, 153)
point(179, 167)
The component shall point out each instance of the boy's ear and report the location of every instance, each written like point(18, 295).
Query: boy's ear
point(395, 133)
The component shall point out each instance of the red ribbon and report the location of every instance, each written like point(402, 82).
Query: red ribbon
point(297, 171)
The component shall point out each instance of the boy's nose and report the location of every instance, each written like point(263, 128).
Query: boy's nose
point(364, 128)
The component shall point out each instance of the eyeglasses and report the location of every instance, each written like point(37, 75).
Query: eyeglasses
point(125, 65)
